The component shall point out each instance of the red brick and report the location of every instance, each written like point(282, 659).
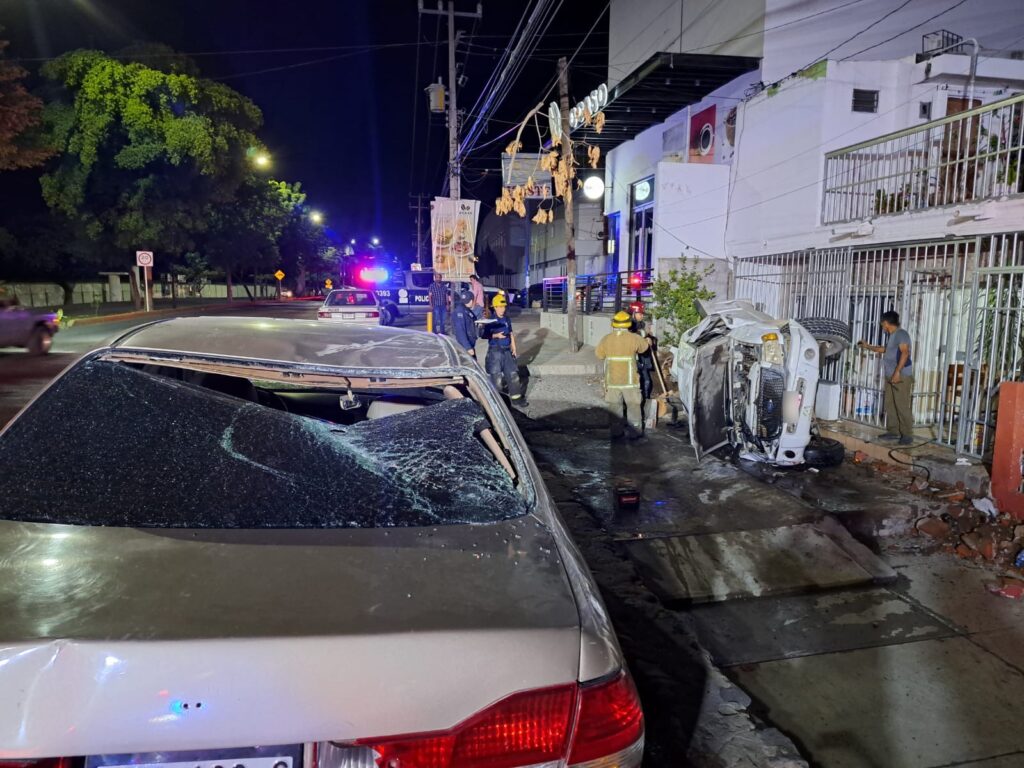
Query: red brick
point(933, 527)
point(962, 550)
point(972, 540)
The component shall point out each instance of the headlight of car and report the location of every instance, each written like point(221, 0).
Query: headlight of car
point(771, 349)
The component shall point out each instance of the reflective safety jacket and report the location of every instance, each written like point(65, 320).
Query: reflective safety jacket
point(619, 350)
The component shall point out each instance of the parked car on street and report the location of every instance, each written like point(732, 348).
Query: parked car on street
point(26, 327)
point(749, 381)
point(293, 545)
point(358, 306)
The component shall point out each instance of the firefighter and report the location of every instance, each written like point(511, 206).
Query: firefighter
point(501, 351)
point(619, 350)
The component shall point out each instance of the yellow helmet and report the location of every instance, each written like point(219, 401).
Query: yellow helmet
point(621, 320)
point(499, 300)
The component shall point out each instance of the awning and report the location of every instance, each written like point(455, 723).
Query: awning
point(660, 87)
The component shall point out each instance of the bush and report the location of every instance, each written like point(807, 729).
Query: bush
point(674, 301)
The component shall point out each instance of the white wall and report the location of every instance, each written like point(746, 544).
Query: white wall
point(689, 211)
point(784, 134)
point(790, 46)
point(547, 243)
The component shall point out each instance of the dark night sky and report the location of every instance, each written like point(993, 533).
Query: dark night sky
point(339, 122)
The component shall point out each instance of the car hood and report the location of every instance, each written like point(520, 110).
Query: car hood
point(282, 636)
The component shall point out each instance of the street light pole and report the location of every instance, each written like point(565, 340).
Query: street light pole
point(454, 176)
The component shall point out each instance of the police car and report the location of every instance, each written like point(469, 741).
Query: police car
point(407, 292)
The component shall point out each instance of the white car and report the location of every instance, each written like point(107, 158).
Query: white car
point(293, 545)
point(358, 306)
point(749, 381)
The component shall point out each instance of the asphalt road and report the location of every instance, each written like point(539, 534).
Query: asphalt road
point(22, 375)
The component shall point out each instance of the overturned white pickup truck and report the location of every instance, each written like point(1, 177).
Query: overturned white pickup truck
point(749, 381)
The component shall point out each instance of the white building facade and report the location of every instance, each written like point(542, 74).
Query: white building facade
point(852, 169)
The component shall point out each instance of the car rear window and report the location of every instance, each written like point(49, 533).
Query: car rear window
point(350, 299)
point(112, 445)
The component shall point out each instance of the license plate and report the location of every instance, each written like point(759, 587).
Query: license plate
point(348, 316)
point(256, 757)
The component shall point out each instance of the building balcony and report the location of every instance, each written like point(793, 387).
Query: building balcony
point(962, 159)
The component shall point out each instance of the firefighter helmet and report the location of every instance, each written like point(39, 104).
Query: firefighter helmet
point(499, 300)
point(622, 320)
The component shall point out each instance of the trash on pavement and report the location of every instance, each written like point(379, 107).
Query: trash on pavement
point(986, 506)
point(1009, 588)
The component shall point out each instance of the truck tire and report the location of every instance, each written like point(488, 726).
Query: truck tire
point(833, 335)
point(40, 341)
point(824, 452)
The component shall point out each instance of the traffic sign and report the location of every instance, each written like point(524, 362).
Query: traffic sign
point(144, 258)
point(279, 275)
point(328, 283)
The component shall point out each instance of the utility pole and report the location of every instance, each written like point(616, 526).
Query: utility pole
point(454, 163)
point(570, 223)
point(419, 207)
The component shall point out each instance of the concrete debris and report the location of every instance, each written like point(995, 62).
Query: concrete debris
point(987, 507)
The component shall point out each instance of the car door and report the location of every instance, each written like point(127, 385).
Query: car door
point(15, 326)
point(708, 397)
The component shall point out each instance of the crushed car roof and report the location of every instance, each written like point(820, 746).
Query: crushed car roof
point(293, 341)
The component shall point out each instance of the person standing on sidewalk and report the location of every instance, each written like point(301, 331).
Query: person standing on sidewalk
point(464, 323)
point(478, 295)
point(898, 369)
point(438, 302)
point(501, 351)
point(645, 360)
point(619, 350)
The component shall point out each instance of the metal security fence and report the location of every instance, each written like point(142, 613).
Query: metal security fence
point(596, 294)
point(963, 158)
point(961, 300)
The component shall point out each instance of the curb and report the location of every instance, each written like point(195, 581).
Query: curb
point(571, 369)
point(974, 477)
point(158, 313)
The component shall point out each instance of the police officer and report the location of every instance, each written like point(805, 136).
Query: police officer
point(464, 322)
point(619, 350)
point(501, 351)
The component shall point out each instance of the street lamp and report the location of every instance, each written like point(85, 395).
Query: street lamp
point(316, 217)
point(352, 241)
point(262, 160)
point(375, 240)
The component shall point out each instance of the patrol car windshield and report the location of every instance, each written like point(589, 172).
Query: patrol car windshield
point(350, 299)
point(422, 279)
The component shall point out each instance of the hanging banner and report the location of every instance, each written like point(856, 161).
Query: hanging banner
point(453, 233)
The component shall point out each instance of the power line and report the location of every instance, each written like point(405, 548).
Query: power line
point(916, 26)
point(415, 111)
point(872, 25)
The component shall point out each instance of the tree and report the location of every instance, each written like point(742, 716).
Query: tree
point(243, 232)
point(303, 245)
point(146, 154)
point(674, 300)
point(20, 116)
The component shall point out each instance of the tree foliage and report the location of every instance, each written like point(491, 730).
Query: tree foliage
point(674, 300)
point(145, 153)
point(21, 144)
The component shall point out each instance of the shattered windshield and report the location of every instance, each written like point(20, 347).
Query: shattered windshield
point(113, 445)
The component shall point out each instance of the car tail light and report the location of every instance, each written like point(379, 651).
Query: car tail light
point(323, 314)
point(600, 724)
point(524, 729)
point(373, 314)
point(610, 723)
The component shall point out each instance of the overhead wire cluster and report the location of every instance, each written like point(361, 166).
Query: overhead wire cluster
point(531, 28)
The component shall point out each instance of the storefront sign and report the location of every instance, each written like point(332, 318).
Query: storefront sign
point(595, 101)
point(453, 235)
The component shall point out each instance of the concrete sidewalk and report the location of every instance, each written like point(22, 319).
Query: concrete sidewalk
point(926, 671)
point(545, 353)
